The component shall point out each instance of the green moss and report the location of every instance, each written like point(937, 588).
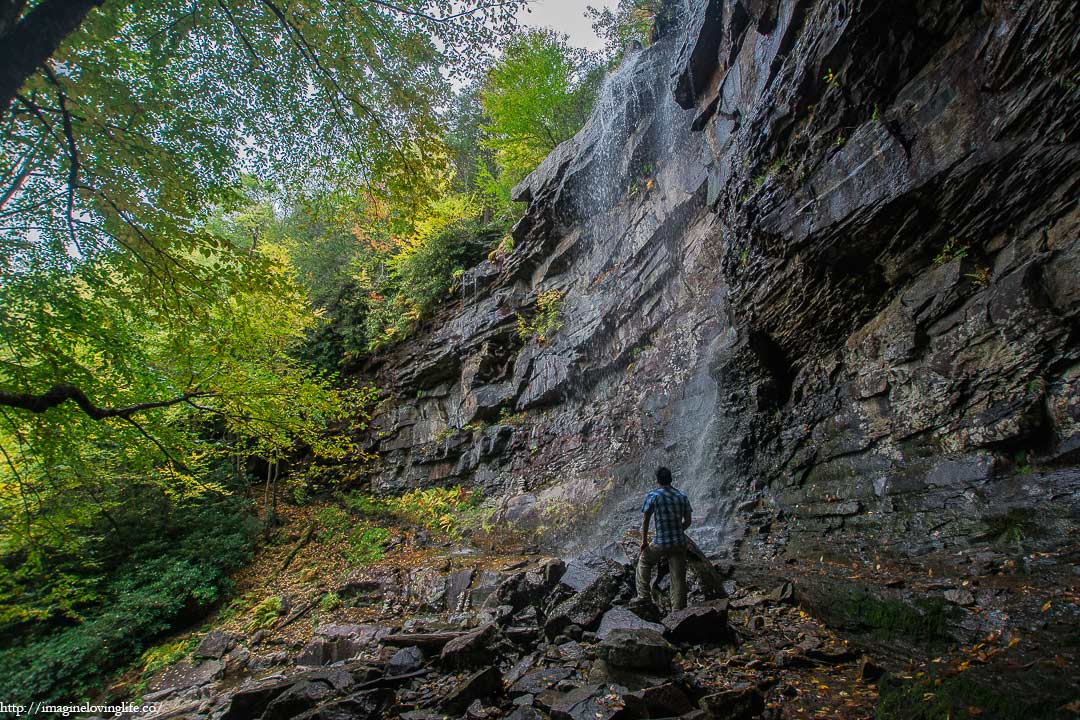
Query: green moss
point(958, 697)
point(924, 620)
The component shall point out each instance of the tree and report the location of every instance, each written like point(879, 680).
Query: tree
point(537, 95)
point(632, 22)
point(124, 123)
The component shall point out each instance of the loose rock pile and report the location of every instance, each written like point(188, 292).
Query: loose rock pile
point(547, 641)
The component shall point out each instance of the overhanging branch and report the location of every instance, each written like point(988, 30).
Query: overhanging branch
point(61, 393)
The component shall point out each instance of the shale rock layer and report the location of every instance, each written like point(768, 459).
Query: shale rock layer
point(820, 258)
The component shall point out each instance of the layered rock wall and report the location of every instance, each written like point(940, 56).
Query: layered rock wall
point(820, 258)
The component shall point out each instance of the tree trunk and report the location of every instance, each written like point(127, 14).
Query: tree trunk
point(28, 44)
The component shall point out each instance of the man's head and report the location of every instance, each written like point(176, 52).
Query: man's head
point(663, 476)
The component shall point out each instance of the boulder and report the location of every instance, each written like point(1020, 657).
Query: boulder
point(784, 593)
point(539, 680)
point(619, 618)
point(215, 644)
point(481, 684)
point(471, 649)
point(364, 705)
point(590, 702)
point(254, 700)
point(584, 609)
point(869, 671)
point(404, 661)
point(185, 675)
point(642, 649)
point(483, 585)
point(299, 697)
point(325, 652)
point(744, 703)
point(525, 712)
point(521, 668)
point(700, 624)
point(457, 589)
point(665, 700)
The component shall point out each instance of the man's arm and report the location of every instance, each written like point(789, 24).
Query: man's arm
point(645, 529)
point(688, 517)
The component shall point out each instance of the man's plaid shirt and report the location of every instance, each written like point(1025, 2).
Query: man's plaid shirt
point(669, 507)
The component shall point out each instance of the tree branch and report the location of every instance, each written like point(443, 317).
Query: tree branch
point(34, 39)
point(442, 18)
point(74, 162)
point(61, 393)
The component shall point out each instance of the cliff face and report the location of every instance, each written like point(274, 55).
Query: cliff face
point(820, 258)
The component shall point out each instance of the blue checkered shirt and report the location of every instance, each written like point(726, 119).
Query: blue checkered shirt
point(669, 507)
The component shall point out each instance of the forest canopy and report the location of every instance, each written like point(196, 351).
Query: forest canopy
point(210, 214)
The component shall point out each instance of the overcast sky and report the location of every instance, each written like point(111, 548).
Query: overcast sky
point(566, 16)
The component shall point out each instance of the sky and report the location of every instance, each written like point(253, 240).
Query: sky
point(566, 16)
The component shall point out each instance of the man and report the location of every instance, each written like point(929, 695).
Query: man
point(672, 511)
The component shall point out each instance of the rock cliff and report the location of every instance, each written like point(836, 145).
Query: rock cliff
point(820, 258)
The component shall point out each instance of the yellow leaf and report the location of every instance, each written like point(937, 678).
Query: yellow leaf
point(1047, 605)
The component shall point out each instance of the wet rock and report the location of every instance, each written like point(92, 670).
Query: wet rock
point(479, 685)
point(362, 634)
point(215, 644)
point(185, 675)
point(364, 705)
point(457, 589)
point(666, 700)
point(585, 608)
point(637, 649)
point(299, 697)
point(579, 575)
point(737, 704)
point(869, 671)
point(550, 572)
point(960, 596)
point(521, 668)
point(525, 713)
point(620, 618)
point(784, 593)
point(237, 660)
point(470, 649)
point(590, 702)
point(484, 583)
point(325, 652)
point(252, 700)
point(699, 624)
point(515, 592)
point(404, 661)
point(537, 681)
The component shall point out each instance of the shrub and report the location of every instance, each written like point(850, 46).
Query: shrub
point(266, 613)
point(176, 572)
point(546, 321)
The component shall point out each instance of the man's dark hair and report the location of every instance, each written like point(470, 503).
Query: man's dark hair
point(663, 475)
